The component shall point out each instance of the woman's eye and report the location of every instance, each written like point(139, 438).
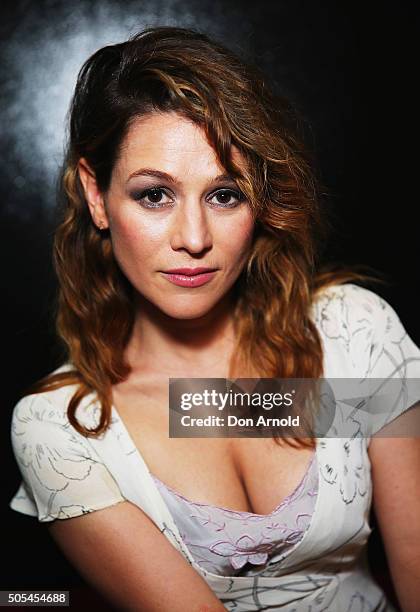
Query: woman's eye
point(155, 197)
point(158, 197)
point(227, 198)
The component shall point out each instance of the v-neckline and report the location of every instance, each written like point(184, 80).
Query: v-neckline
point(244, 513)
point(139, 457)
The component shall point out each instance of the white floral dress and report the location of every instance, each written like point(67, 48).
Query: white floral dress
point(65, 474)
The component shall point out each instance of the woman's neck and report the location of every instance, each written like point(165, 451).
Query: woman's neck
point(172, 347)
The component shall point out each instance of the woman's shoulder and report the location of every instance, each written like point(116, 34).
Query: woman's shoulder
point(346, 312)
point(49, 408)
point(42, 434)
point(357, 323)
point(62, 474)
point(40, 426)
point(337, 307)
point(349, 295)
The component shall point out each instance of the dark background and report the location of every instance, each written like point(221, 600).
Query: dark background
point(348, 67)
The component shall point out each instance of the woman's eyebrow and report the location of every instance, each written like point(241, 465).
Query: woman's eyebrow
point(154, 173)
point(167, 177)
point(222, 178)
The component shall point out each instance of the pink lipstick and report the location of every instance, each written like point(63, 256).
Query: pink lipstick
point(190, 277)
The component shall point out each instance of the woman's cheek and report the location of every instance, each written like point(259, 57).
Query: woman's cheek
point(128, 246)
point(134, 234)
point(239, 236)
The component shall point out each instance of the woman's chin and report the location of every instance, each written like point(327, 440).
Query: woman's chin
point(187, 308)
point(187, 313)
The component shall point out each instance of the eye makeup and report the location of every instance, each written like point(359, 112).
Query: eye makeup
point(158, 196)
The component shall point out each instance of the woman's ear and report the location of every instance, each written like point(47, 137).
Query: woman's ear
point(93, 195)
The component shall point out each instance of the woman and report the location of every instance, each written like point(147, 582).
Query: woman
point(188, 249)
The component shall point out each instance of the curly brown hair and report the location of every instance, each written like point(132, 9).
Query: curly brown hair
point(175, 69)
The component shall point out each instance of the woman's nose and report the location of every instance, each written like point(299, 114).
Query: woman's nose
point(190, 228)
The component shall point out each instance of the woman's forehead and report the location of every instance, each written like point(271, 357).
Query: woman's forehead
point(170, 142)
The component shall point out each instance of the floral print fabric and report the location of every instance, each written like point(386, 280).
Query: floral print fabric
point(65, 475)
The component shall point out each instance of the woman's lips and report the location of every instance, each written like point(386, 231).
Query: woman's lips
point(195, 280)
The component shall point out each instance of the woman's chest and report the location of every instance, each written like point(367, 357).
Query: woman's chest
point(244, 474)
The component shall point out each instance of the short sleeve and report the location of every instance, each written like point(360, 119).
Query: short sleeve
point(373, 366)
point(391, 350)
point(62, 476)
point(394, 365)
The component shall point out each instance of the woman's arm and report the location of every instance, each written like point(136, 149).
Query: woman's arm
point(123, 554)
point(396, 498)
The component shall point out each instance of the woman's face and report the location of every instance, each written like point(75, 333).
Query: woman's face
point(171, 205)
